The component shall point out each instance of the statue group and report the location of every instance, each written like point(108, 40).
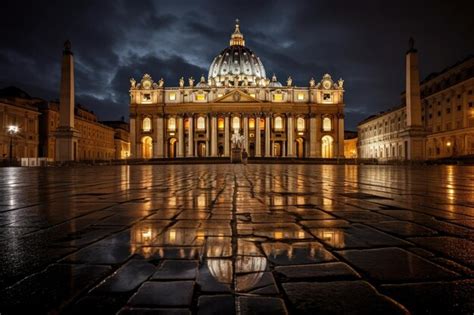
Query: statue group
point(238, 142)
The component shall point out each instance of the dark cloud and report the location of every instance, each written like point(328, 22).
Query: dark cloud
point(361, 41)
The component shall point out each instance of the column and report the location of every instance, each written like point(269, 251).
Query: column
point(133, 138)
point(191, 136)
point(267, 136)
point(213, 135)
point(290, 136)
point(226, 136)
point(160, 137)
point(313, 133)
point(258, 138)
point(340, 135)
point(180, 137)
point(208, 135)
point(246, 133)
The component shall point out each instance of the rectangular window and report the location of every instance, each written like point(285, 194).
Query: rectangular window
point(200, 97)
point(459, 107)
point(172, 96)
point(278, 97)
point(252, 94)
point(300, 96)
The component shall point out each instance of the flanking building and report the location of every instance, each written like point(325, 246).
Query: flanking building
point(19, 124)
point(199, 118)
point(434, 120)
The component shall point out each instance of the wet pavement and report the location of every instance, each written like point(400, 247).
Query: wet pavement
point(224, 239)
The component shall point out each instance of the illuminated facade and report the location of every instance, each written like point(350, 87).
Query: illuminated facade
point(198, 120)
point(435, 120)
point(18, 109)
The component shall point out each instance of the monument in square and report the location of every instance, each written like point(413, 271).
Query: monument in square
point(203, 118)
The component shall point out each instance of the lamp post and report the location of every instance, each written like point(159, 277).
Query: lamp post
point(12, 131)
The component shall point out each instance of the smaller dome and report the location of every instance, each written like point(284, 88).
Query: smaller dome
point(274, 82)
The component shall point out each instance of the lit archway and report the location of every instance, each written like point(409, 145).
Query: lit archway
point(147, 145)
point(172, 148)
point(300, 148)
point(327, 147)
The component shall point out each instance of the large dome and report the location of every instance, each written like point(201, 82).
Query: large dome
point(236, 62)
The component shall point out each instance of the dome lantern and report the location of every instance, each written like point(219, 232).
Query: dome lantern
point(237, 38)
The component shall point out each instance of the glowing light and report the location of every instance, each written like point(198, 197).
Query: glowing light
point(278, 235)
point(13, 129)
point(300, 96)
point(172, 96)
point(448, 143)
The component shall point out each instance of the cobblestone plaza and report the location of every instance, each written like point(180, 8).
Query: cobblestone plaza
point(225, 239)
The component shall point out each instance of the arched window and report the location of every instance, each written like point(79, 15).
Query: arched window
point(262, 124)
point(201, 123)
point(278, 123)
point(327, 124)
point(146, 125)
point(236, 123)
point(252, 123)
point(300, 124)
point(220, 123)
point(172, 124)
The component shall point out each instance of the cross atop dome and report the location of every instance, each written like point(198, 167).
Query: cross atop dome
point(237, 39)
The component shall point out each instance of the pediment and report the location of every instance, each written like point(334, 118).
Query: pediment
point(236, 96)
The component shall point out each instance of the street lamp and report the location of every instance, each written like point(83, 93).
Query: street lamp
point(12, 131)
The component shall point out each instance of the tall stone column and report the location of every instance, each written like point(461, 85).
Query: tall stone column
point(191, 136)
point(213, 135)
point(290, 136)
point(66, 135)
point(246, 133)
point(208, 136)
point(267, 136)
point(226, 136)
point(160, 137)
point(180, 136)
point(340, 135)
point(413, 100)
point(313, 133)
point(133, 138)
point(258, 138)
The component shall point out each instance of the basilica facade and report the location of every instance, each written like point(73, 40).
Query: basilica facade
point(201, 118)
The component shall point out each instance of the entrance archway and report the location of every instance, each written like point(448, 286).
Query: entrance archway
point(300, 148)
point(327, 147)
point(147, 145)
point(277, 149)
point(172, 148)
point(201, 147)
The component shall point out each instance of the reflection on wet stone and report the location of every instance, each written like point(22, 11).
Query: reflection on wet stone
point(205, 239)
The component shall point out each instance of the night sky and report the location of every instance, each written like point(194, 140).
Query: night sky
point(364, 42)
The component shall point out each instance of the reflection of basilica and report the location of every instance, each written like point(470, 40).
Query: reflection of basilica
point(152, 241)
point(275, 119)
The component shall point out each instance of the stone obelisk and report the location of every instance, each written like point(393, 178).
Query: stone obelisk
point(414, 134)
point(66, 135)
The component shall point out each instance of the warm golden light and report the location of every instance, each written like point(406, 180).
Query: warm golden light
point(278, 97)
point(448, 143)
point(200, 97)
point(172, 96)
point(300, 96)
point(251, 123)
point(220, 123)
